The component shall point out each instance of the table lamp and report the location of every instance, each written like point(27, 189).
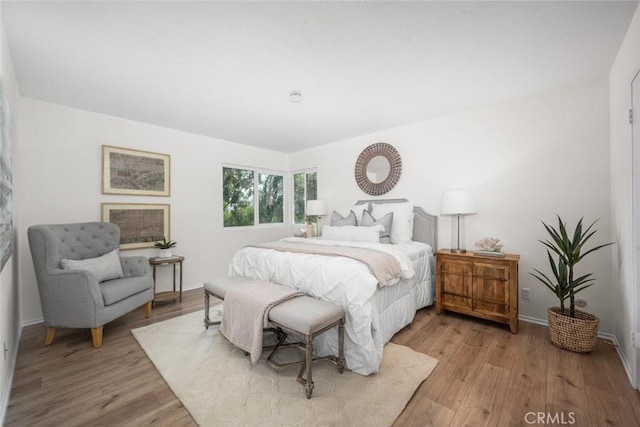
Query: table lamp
point(317, 209)
point(457, 203)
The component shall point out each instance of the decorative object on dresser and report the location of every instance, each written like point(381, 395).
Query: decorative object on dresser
point(489, 246)
point(480, 286)
point(570, 329)
point(164, 247)
point(135, 172)
point(316, 209)
point(458, 203)
point(378, 169)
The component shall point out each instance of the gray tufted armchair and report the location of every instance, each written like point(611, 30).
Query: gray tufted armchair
point(74, 298)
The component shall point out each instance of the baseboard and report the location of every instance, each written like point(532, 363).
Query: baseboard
point(603, 335)
point(544, 322)
point(32, 322)
point(533, 320)
point(4, 405)
point(625, 362)
point(40, 320)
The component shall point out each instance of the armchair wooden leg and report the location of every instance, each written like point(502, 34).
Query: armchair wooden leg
point(147, 309)
point(96, 335)
point(51, 334)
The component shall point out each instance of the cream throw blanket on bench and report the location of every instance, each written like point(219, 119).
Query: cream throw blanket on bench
point(246, 313)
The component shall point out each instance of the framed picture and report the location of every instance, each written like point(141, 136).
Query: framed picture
point(135, 172)
point(141, 224)
point(6, 183)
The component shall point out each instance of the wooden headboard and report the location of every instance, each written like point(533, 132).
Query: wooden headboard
point(425, 225)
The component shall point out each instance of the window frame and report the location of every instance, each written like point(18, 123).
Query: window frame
point(292, 210)
point(256, 196)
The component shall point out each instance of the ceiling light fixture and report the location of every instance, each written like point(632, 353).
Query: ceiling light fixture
point(295, 96)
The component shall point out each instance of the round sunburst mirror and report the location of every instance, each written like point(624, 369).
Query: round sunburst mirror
point(378, 169)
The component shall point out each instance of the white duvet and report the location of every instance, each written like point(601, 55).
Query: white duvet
point(341, 280)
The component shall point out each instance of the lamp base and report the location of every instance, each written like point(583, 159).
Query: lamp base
point(458, 235)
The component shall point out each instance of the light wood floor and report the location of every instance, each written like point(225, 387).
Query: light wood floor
point(486, 377)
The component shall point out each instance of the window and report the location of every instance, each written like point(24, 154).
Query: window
point(238, 197)
point(270, 198)
point(244, 189)
point(305, 187)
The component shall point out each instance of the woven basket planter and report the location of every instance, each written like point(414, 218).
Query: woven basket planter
point(578, 334)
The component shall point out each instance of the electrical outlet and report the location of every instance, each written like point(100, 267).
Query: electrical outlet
point(581, 303)
point(525, 294)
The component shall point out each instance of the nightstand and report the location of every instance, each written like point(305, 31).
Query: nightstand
point(480, 286)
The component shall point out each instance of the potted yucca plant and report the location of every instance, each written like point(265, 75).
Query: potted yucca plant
point(569, 328)
point(164, 247)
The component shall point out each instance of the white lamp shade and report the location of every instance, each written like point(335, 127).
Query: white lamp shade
point(458, 202)
point(316, 208)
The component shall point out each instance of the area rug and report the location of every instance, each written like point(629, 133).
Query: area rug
point(219, 386)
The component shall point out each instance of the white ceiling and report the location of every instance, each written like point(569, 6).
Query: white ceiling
point(225, 69)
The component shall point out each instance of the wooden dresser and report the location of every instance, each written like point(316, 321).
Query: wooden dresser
point(481, 286)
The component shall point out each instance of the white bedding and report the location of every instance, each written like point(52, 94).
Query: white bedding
point(374, 313)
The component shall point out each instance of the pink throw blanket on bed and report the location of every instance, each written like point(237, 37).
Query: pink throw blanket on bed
point(246, 312)
point(383, 266)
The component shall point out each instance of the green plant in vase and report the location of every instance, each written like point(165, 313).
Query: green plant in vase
point(565, 251)
point(164, 247)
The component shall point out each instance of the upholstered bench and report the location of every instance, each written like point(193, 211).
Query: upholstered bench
point(218, 287)
point(303, 315)
point(309, 317)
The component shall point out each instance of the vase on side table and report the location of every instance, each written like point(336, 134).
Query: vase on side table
point(164, 253)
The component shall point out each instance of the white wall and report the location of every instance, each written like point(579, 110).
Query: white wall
point(60, 181)
point(9, 287)
point(626, 65)
point(525, 160)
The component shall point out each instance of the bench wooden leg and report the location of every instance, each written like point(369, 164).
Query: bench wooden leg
point(96, 335)
point(207, 304)
point(51, 334)
point(308, 387)
point(206, 310)
point(340, 360)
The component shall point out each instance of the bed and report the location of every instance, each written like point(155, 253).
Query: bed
point(374, 311)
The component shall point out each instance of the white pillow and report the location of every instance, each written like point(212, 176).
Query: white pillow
point(105, 267)
point(352, 233)
point(402, 226)
point(357, 210)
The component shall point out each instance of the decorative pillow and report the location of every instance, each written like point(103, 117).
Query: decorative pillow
point(338, 220)
point(352, 233)
point(357, 210)
point(402, 227)
point(386, 222)
point(105, 267)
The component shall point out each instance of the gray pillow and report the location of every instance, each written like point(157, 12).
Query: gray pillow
point(386, 222)
point(105, 267)
point(338, 220)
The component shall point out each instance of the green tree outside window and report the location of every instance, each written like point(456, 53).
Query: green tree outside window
point(237, 196)
point(305, 187)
